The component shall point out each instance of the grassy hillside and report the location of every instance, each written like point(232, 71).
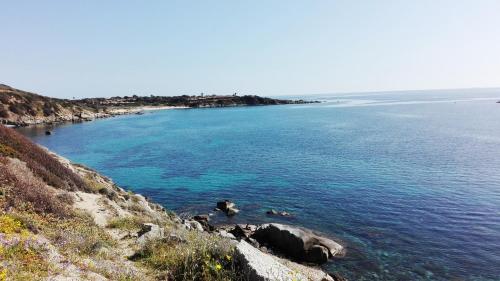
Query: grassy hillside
point(14, 101)
point(23, 108)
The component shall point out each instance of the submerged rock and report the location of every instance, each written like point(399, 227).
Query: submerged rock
point(297, 243)
point(275, 213)
point(272, 212)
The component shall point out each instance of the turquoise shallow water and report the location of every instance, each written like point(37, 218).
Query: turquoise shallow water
point(409, 181)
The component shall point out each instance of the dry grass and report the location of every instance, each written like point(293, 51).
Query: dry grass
point(78, 237)
point(39, 161)
point(127, 223)
point(199, 257)
point(24, 191)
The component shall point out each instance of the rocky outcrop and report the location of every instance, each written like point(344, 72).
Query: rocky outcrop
point(227, 207)
point(243, 230)
point(150, 231)
point(259, 266)
point(193, 225)
point(297, 243)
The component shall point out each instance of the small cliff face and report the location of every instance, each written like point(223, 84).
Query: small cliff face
point(24, 108)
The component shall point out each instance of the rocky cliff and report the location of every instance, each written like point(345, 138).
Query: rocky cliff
point(24, 108)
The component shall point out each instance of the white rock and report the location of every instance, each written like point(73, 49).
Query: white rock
point(259, 266)
point(150, 231)
point(193, 225)
point(226, 234)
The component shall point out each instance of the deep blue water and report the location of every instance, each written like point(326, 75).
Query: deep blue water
point(408, 181)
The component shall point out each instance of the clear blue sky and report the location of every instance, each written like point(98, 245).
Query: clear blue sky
point(106, 48)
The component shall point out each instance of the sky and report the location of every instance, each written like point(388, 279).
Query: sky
point(106, 48)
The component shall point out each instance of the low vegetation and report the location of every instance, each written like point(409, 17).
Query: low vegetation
point(39, 161)
point(184, 100)
point(126, 223)
point(22, 255)
point(15, 103)
point(198, 256)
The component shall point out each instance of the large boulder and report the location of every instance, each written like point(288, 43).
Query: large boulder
point(259, 266)
point(149, 231)
point(297, 243)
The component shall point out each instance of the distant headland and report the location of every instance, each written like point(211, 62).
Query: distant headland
point(21, 108)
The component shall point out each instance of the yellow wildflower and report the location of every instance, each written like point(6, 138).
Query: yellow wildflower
point(9, 225)
point(218, 266)
point(3, 275)
point(228, 257)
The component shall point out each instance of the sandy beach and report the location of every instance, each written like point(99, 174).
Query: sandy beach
point(135, 109)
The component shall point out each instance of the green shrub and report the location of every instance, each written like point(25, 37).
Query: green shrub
point(126, 223)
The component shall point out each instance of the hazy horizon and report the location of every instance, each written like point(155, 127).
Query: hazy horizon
point(268, 48)
point(297, 96)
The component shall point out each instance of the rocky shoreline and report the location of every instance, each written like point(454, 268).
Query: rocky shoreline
point(127, 237)
point(299, 247)
point(269, 251)
point(83, 116)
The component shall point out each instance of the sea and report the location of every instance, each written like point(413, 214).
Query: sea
point(408, 182)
